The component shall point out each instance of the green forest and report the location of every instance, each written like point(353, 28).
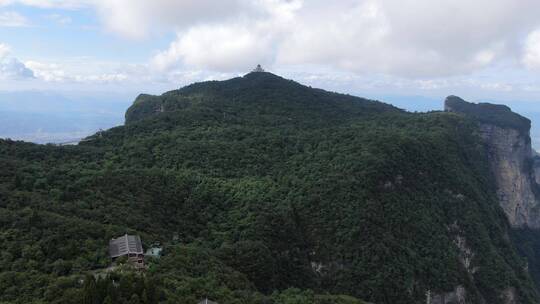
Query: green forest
point(261, 190)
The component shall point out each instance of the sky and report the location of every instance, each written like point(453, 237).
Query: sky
point(482, 50)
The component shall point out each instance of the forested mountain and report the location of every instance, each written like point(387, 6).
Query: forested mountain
point(263, 190)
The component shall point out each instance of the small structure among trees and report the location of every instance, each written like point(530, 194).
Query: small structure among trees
point(129, 246)
point(258, 69)
point(154, 252)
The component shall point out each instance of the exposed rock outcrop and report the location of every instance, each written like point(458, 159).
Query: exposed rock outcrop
point(536, 167)
point(457, 296)
point(466, 255)
point(508, 143)
point(509, 296)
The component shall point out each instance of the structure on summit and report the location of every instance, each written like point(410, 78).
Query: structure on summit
point(129, 246)
point(258, 69)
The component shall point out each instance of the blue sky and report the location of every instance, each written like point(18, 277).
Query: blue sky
point(486, 50)
point(58, 34)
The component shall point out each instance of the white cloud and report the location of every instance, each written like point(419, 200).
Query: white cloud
point(232, 45)
point(47, 71)
point(136, 18)
point(11, 68)
point(13, 19)
point(215, 48)
point(76, 72)
point(497, 87)
point(531, 58)
point(401, 43)
point(408, 38)
point(102, 78)
point(4, 50)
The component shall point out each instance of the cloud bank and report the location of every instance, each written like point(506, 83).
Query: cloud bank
point(407, 38)
point(11, 68)
point(422, 43)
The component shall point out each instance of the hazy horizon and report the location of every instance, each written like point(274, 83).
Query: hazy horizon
point(99, 52)
point(42, 116)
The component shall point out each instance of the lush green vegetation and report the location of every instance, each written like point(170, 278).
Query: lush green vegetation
point(262, 191)
point(499, 115)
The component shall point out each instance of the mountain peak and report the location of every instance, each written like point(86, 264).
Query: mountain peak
point(262, 74)
point(258, 69)
point(258, 93)
point(488, 113)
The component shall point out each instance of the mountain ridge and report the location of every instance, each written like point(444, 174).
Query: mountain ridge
point(259, 84)
point(489, 113)
point(287, 191)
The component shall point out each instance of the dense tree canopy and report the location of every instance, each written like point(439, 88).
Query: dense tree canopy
point(262, 191)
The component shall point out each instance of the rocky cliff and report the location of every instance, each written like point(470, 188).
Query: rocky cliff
point(508, 144)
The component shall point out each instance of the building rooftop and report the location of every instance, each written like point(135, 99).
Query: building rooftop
point(258, 69)
point(126, 244)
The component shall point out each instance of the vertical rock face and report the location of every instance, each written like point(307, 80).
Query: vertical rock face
point(507, 139)
point(510, 160)
point(458, 296)
point(536, 167)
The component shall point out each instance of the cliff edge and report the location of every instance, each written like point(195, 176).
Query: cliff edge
point(507, 138)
